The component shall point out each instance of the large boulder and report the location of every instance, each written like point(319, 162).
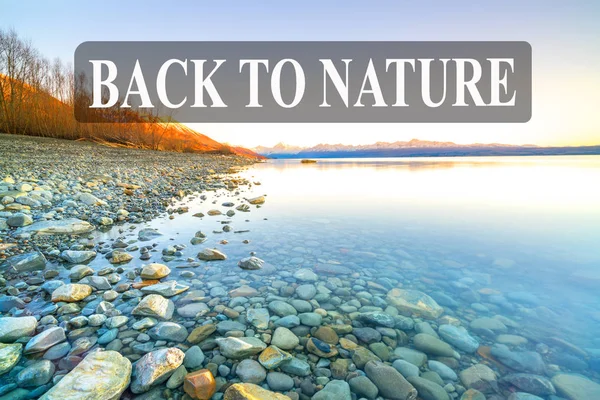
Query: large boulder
point(414, 302)
point(155, 367)
point(102, 375)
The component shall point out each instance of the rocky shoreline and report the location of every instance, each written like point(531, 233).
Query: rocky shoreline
point(136, 316)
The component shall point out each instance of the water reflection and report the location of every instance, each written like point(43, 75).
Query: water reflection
point(514, 224)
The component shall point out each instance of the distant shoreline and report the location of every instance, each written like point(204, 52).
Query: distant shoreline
point(445, 152)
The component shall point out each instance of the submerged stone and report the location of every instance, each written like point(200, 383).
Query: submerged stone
point(458, 337)
point(10, 354)
point(336, 390)
point(34, 261)
point(576, 387)
point(391, 383)
point(414, 302)
point(166, 289)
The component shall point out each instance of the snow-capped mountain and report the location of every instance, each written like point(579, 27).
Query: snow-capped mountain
point(282, 148)
point(418, 148)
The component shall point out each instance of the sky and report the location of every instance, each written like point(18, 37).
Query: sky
point(565, 38)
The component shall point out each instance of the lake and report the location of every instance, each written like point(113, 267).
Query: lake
point(508, 246)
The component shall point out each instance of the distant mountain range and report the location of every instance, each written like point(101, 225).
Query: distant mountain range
point(417, 148)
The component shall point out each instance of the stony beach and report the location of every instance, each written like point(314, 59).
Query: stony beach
point(97, 302)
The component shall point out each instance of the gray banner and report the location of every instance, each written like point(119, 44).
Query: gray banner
point(303, 81)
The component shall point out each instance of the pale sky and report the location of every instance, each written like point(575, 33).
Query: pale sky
point(565, 38)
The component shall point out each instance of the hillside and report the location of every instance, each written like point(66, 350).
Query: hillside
point(34, 112)
point(38, 98)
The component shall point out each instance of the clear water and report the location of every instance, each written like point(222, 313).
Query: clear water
point(524, 226)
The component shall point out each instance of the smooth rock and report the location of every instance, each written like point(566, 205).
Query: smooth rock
point(530, 383)
point(34, 261)
point(102, 375)
point(458, 337)
point(391, 384)
point(523, 361)
point(45, 339)
point(444, 371)
point(200, 384)
point(36, 374)
point(169, 331)
point(250, 371)
point(284, 339)
point(10, 354)
point(166, 289)
point(77, 256)
point(72, 292)
point(479, 377)
point(279, 382)
point(428, 390)
point(251, 263)
point(154, 305)
point(155, 367)
point(430, 345)
point(258, 317)
point(67, 226)
point(362, 386)
point(13, 328)
point(154, 271)
point(211, 255)
point(334, 390)
point(236, 348)
point(576, 387)
point(414, 302)
point(250, 391)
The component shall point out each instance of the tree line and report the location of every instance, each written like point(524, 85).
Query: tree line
point(38, 97)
